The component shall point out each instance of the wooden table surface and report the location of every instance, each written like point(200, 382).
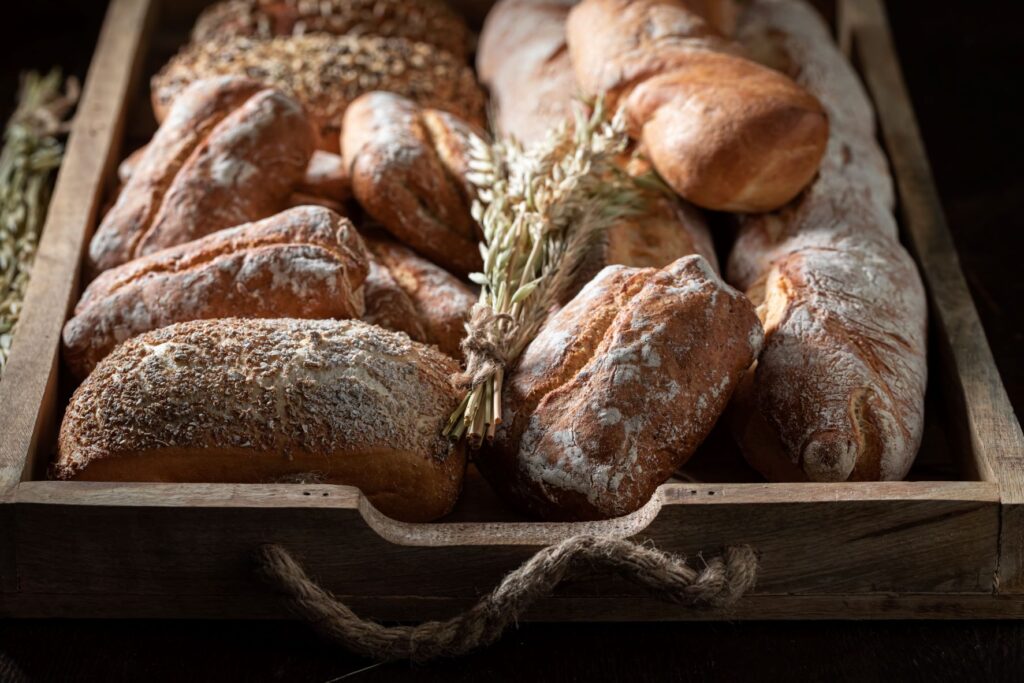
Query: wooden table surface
point(963, 63)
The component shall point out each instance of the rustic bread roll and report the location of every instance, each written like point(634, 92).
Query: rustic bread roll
point(250, 401)
point(440, 301)
point(618, 389)
point(838, 393)
point(724, 132)
point(428, 21)
point(303, 263)
point(389, 306)
point(230, 152)
point(326, 177)
point(326, 73)
point(407, 166)
point(523, 60)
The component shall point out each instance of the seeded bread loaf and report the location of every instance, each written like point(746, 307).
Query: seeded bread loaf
point(618, 389)
point(326, 73)
point(251, 401)
point(408, 166)
point(440, 302)
point(428, 21)
point(306, 262)
point(230, 152)
point(725, 132)
point(838, 393)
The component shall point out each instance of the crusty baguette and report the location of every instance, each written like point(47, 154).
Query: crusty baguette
point(838, 393)
point(619, 388)
point(428, 21)
point(230, 152)
point(408, 167)
point(441, 302)
point(249, 401)
point(326, 73)
point(724, 132)
point(523, 60)
point(306, 262)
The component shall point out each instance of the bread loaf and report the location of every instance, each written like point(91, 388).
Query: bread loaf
point(326, 73)
point(326, 177)
point(838, 393)
point(230, 152)
point(618, 389)
point(440, 302)
point(251, 401)
point(428, 21)
point(523, 60)
point(408, 166)
point(303, 263)
point(724, 132)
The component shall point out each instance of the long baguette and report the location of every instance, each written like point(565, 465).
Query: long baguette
point(838, 392)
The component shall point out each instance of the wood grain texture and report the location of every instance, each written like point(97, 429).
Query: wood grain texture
point(992, 430)
point(28, 390)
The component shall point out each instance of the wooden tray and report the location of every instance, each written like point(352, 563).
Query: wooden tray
point(948, 544)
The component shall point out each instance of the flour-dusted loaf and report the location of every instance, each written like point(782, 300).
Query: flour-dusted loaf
point(725, 132)
point(325, 180)
point(523, 60)
point(230, 152)
point(838, 393)
point(326, 73)
point(428, 21)
point(619, 388)
point(250, 401)
point(306, 262)
point(408, 166)
point(438, 302)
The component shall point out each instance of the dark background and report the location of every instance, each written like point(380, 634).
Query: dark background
point(963, 63)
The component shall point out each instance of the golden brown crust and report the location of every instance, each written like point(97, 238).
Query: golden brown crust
point(303, 263)
point(428, 21)
point(229, 153)
point(326, 177)
point(838, 393)
point(619, 388)
point(327, 73)
point(523, 60)
point(724, 132)
point(407, 166)
point(234, 400)
point(440, 301)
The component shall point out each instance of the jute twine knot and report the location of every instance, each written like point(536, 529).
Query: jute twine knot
point(719, 583)
point(485, 345)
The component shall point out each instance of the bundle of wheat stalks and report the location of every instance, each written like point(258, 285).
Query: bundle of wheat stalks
point(541, 210)
point(30, 153)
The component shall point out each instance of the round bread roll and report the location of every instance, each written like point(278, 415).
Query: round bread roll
point(249, 401)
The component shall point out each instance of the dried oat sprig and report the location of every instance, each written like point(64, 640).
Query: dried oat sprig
point(541, 210)
point(30, 153)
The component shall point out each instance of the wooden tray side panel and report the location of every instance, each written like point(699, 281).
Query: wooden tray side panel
point(941, 541)
point(993, 432)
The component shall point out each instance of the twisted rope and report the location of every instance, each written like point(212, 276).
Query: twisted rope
point(485, 345)
point(720, 583)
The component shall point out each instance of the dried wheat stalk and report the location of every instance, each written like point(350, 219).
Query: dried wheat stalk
point(541, 209)
point(30, 153)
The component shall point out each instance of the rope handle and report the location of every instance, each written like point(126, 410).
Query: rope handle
point(719, 583)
